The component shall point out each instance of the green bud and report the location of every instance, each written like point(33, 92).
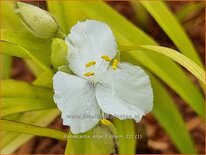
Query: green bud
point(99, 140)
point(104, 139)
point(59, 52)
point(38, 21)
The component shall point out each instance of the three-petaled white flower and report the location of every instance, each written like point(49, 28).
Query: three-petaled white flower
point(122, 90)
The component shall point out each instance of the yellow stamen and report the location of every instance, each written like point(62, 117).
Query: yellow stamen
point(106, 58)
point(105, 122)
point(89, 74)
point(91, 63)
point(115, 64)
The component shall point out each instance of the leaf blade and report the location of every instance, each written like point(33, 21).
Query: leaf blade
point(170, 25)
point(28, 46)
point(164, 109)
point(16, 105)
point(31, 91)
point(31, 129)
point(175, 56)
point(5, 66)
point(12, 140)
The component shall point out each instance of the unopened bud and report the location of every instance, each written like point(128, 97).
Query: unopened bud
point(99, 140)
point(38, 21)
point(59, 52)
point(104, 139)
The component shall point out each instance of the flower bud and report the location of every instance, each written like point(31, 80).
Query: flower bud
point(38, 21)
point(99, 140)
point(59, 52)
point(104, 138)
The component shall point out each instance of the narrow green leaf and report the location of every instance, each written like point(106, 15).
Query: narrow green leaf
point(13, 50)
point(126, 136)
point(141, 13)
point(33, 67)
point(7, 125)
point(10, 141)
point(27, 46)
point(175, 56)
point(7, 90)
point(170, 25)
point(170, 119)
point(16, 105)
point(188, 9)
point(5, 66)
point(44, 79)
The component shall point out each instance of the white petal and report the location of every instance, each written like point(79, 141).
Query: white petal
point(75, 97)
point(125, 91)
point(88, 41)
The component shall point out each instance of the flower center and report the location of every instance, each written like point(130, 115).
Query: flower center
point(92, 68)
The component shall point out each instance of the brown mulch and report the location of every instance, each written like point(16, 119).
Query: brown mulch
point(158, 140)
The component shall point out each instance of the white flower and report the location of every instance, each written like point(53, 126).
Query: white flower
point(122, 90)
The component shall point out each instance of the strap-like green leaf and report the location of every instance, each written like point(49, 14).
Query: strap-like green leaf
point(170, 119)
point(44, 79)
point(14, 50)
point(170, 25)
point(14, 88)
point(5, 66)
point(10, 141)
point(17, 105)
point(27, 46)
point(7, 125)
point(189, 9)
point(141, 14)
point(35, 69)
point(175, 56)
